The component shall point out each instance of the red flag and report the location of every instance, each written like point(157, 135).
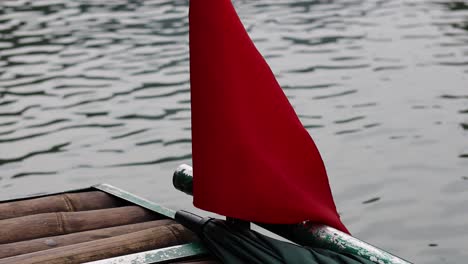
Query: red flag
point(252, 158)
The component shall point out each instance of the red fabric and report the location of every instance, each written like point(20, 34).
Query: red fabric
point(252, 158)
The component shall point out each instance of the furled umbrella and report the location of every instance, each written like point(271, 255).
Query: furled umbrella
point(238, 244)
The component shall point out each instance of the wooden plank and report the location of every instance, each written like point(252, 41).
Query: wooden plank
point(24, 247)
point(153, 238)
point(53, 224)
point(68, 202)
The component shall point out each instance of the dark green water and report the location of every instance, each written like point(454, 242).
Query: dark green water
point(98, 91)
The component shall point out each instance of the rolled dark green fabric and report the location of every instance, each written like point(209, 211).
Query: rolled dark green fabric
point(290, 253)
point(234, 244)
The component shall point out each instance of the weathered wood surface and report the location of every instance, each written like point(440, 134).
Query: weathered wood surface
point(24, 247)
point(153, 238)
point(53, 224)
point(69, 202)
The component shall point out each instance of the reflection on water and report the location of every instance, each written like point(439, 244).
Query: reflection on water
point(98, 91)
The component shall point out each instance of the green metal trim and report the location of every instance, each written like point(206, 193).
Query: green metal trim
point(341, 242)
point(154, 256)
point(163, 255)
point(136, 200)
point(322, 236)
point(310, 234)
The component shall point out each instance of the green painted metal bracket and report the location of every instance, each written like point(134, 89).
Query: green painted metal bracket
point(322, 236)
point(159, 255)
point(307, 234)
point(136, 200)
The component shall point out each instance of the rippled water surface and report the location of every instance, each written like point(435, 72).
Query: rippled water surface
point(98, 91)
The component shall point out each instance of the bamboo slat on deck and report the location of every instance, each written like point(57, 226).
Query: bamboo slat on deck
point(53, 224)
point(24, 247)
point(153, 238)
point(69, 202)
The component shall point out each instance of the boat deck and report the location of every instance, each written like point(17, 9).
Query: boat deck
point(101, 224)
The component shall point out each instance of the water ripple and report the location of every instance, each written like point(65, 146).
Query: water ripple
point(53, 122)
point(54, 149)
point(349, 120)
point(20, 112)
point(157, 161)
point(26, 174)
point(167, 112)
point(335, 95)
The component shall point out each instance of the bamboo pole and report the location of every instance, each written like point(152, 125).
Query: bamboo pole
point(24, 247)
point(69, 202)
point(153, 238)
point(53, 224)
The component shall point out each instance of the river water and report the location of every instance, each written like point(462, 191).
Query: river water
point(98, 91)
